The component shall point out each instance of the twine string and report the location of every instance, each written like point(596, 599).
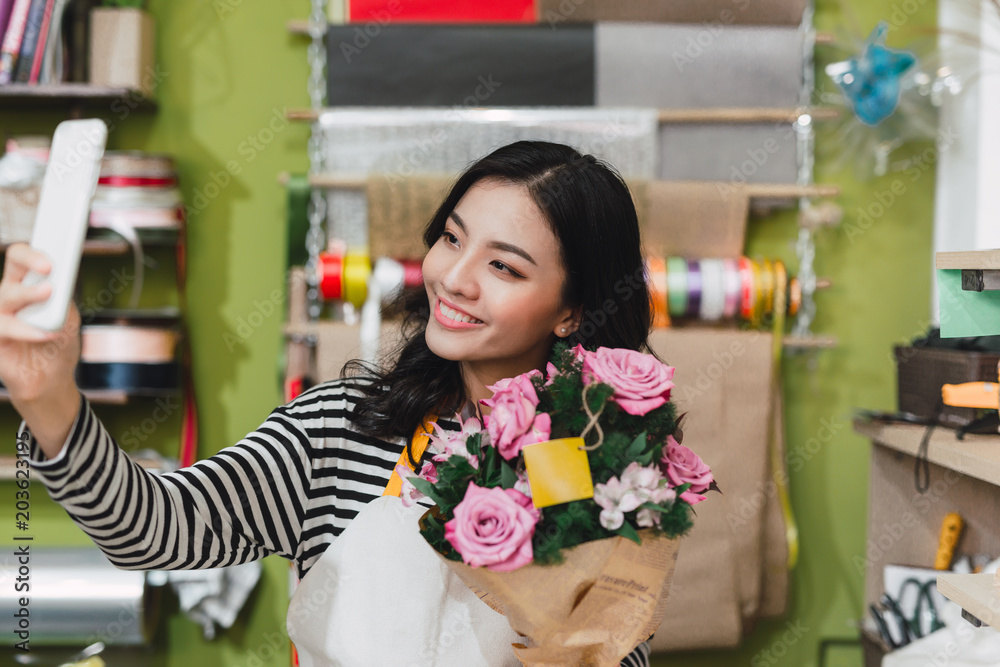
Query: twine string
point(593, 423)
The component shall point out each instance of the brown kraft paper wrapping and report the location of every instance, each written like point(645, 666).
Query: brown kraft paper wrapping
point(723, 381)
point(398, 211)
point(685, 218)
point(691, 219)
point(592, 610)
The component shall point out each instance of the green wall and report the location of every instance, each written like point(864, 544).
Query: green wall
point(229, 69)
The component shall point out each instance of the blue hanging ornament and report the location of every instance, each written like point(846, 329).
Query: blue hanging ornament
point(872, 83)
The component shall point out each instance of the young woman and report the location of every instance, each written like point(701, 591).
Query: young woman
point(533, 244)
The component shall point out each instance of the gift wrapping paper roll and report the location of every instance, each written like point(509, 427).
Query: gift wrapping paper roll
point(442, 11)
point(711, 12)
point(459, 65)
point(77, 597)
point(740, 153)
point(743, 67)
point(393, 146)
point(667, 212)
point(713, 297)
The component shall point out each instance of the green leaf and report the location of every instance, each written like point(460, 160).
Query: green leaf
point(629, 532)
point(508, 477)
point(426, 488)
point(474, 443)
point(637, 446)
point(656, 508)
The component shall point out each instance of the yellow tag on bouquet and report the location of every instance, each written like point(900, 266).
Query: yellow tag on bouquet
point(558, 472)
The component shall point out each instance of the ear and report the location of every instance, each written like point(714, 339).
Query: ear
point(570, 322)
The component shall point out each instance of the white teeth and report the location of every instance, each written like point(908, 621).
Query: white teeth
point(453, 314)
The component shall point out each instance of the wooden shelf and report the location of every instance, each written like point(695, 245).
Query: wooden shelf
point(21, 96)
point(973, 259)
point(113, 246)
point(109, 396)
point(754, 190)
point(975, 593)
point(976, 456)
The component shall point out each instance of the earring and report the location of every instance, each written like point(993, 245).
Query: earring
point(563, 330)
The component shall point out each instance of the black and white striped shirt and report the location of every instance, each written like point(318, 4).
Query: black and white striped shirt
point(288, 488)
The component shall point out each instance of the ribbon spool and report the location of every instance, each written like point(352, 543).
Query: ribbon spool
point(656, 270)
point(677, 287)
point(694, 288)
point(413, 275)
point(732, 288)
point(747, 290)
point(344, 277)
point(331, 276)
point(713, 298)
point(794, 296)
point(137, 198)
point(357, 268)
point(137, 356)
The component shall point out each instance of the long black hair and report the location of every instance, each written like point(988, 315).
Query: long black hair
point(591, 213)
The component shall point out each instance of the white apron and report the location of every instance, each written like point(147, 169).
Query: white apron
point(380, 595)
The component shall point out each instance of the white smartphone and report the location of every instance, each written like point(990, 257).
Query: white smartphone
point(63, 215)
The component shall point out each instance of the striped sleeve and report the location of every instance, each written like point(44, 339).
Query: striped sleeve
point(639, 657)
point(244, 503)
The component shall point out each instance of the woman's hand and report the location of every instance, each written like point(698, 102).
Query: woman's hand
point(36, 366)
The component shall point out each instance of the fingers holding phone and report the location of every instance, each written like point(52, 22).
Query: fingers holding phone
point(33, 361)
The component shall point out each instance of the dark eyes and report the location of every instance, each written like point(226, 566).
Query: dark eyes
point(500, 266)
point(497, 264)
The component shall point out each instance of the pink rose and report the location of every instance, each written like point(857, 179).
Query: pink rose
point(493, 527)
point(682, 466)
point(513, 422)
point(641, 382)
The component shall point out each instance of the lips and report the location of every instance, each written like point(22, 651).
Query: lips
point(451, 316)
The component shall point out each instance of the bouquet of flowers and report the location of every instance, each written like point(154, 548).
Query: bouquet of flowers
point(563, 510)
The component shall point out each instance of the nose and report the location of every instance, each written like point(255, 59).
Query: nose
point(460, 278)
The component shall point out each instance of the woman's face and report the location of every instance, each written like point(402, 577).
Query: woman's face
point(494, 281)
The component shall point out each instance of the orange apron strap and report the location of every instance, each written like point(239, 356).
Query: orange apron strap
point(418, 444)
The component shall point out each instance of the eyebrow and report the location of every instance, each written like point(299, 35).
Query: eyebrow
point(498, 245)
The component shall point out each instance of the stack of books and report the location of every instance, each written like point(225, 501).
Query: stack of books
point(32, 48)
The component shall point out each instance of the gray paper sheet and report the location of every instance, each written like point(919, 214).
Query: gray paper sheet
point(692, 66)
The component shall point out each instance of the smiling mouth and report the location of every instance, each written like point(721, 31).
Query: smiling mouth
point(456, 316)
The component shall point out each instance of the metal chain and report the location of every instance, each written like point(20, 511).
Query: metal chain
point(315, 239)
point(805, 247)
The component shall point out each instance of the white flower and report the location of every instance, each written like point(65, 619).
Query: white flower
point(452, 443)
point(522, 484)
point(647, 518)
point(407, 493)
point(615, 498)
